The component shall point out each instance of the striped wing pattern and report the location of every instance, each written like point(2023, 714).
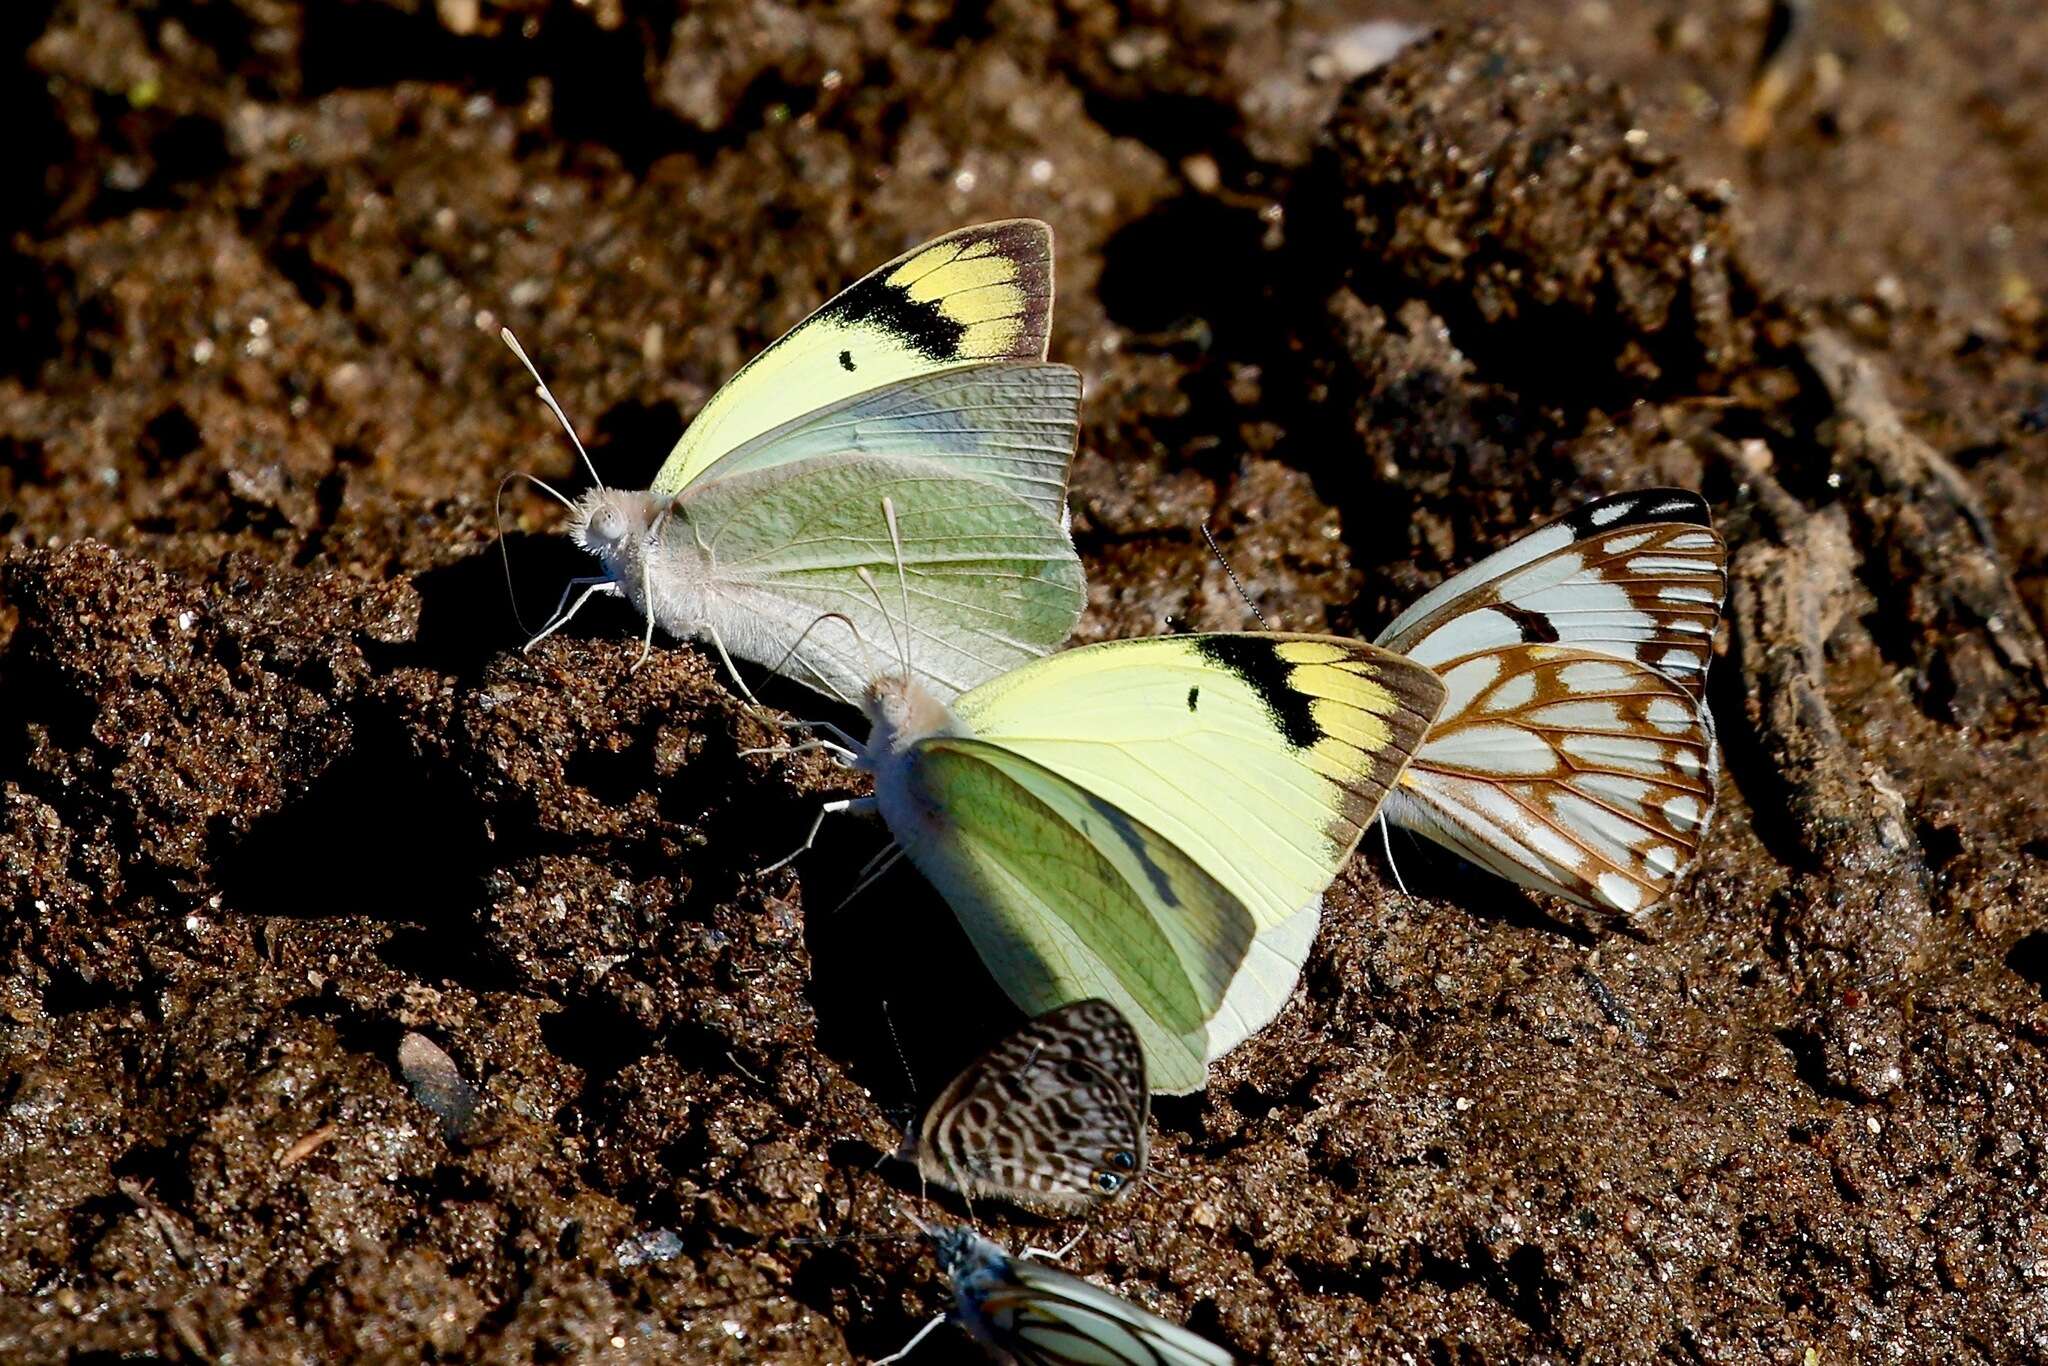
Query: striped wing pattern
point(1574, 754)
point(1036, 1315)
point(1051, 1119)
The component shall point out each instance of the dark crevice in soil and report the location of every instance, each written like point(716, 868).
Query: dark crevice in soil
point(2029, 958)
point(411, 843)
point(467, 614)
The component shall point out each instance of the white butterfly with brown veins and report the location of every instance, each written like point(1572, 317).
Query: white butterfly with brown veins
point(1574, 753)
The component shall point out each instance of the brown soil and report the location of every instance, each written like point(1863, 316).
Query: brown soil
point(276, 790)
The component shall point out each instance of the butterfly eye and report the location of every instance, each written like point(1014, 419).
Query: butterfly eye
point(607, 525)
point(1108, 1182)
point(1123, 1159)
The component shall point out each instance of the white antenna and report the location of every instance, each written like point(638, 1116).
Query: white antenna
point(506, 334)
point(543, 485)
point(504, 550)
point(902, 650)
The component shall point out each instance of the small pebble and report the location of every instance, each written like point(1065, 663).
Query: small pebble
point(655, 1245)
point(437, 1083)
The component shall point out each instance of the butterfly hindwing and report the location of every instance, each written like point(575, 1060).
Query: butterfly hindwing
point(1013, 425)
point(1271, 967)
point(978, 294)
point(1051, 1119)
point(1640, 575)
point(1583, 775)
point(1067, 897)
point(990, 582)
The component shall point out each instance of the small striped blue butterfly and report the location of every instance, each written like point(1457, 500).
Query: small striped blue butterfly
point(1052, 1119)
point(1028, 1312)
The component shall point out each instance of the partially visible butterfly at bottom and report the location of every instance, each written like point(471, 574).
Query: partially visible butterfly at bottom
point(1027, 1312)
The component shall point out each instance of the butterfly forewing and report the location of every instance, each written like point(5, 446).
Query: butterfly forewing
point(1051, 1119)
point(1575, 773)
point(1010, 424)
point(982, 293)
point(1639, 575)
point(1261, 756)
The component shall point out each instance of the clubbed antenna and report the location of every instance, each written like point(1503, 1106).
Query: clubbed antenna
point(1217, 551)
point(549, 399)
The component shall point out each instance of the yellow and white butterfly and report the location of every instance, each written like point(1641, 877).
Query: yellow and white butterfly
point(924, 384)
point(1152, 822)
point(1575, 754)
point(1028, 1312)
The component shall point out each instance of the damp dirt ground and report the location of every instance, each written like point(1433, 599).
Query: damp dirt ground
point(277, 788)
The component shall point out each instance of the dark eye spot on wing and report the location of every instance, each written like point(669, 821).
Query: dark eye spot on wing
point(846, 361)
point(1257, 662)
point(1193, 694)
point(923, 327)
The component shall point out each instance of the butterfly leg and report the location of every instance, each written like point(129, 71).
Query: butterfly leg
point(646, 639)
point(859, 805)
point(1387, 841)
point(845, 750)
point(907, 1348)
point(597, 583)
point(840, 754)
point(1058, 1254)
point(718, 643)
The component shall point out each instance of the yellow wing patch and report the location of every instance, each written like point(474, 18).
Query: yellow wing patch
point(1262, 757)
point(982, 293)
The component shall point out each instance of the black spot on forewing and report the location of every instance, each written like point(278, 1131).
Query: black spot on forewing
point(1194, 694)
point(846, 361)
point(1257, 661)
point(923, 327)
